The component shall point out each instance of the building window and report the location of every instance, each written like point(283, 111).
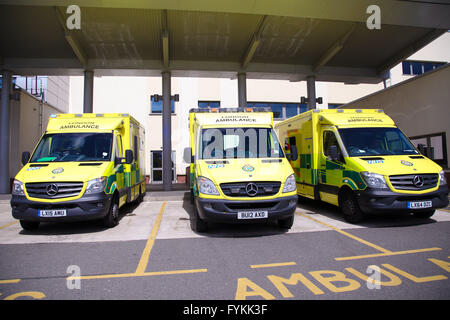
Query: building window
point(209, 104)
point(280, 110)
point(156, 107)
point(334, 105)
point(435, 147)
point(419, 67)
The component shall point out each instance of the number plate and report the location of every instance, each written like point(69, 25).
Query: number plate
point(420, 204)
point(52, 213)
point(253, 214)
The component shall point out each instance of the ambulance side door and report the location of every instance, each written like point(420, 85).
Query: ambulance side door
point(119, 168)
point(330, 170)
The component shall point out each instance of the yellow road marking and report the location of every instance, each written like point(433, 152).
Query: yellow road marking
point(269, 265)
point(150, 242)
point(9, 281)
point(393, 253)
point(444, 209)
point(367, 243)
point(143, 274)
point(9, 224)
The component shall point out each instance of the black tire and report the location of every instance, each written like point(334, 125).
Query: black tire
point(29, 225)
point(424, 214)
point(350, 208)
point(197, 224)
point(286, 223)
point(112, 218)
point(191, 196)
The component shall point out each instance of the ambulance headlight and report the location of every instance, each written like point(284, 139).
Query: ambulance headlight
point(17, 188)
point(206, 186)
point(290, 184)
point(443, 180)
point(374, 180)
point(96, 185)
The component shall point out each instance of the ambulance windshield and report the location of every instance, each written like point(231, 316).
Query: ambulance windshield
point(234, 143)
point(66, 147)
point(376, 142)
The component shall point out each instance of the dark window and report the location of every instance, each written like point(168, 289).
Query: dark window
point(329, 139)
point(428, 66)
point(334, 105)
point(435, 147)
point(136, 148)
point(291, 109)
point(66, 147)
point(209, 104)
point(406, 67)
point(417, 68)
point(157, 106)
point(303, 107)
point(277, 110)
point(376, 142)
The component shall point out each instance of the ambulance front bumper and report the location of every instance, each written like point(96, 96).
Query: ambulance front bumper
point(88, 207)
point(384, 201)
point(218, 210)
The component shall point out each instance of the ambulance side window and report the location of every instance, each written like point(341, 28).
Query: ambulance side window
point(329, 139)
point(118, 147)
point(136, 144)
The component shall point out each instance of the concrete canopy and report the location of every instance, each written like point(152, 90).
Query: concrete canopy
point(284, 39)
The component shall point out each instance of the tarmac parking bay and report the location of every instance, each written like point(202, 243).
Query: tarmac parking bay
point(153, 254)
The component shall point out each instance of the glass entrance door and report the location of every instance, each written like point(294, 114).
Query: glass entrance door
point(156, 165)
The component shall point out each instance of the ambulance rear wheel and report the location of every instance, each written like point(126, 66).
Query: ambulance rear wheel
point(197, 224)
point(350, 208)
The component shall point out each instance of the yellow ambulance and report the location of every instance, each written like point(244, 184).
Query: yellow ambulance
point(85, 167)
point(238, 170)
point(360, 161)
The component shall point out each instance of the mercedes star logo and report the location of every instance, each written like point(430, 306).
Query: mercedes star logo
point(251, 189)
point(418, 181)
point(52, 189)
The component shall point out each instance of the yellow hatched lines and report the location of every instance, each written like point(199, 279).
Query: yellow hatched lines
point(142, 265)
point(384, 252)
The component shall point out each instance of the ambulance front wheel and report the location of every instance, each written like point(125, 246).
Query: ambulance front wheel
point(112, 218)
point(424, 214)
point(197, 224)
point(286, 223)
point(29, 225)
point(350, 207)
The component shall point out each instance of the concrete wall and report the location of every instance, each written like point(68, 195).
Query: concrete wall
point(419, 106)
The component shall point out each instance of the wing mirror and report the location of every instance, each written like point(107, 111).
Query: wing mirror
point(187, 155)
point(25, 157)
point(128, 156)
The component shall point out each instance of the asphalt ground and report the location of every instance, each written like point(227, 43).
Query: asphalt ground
point(153, 254)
